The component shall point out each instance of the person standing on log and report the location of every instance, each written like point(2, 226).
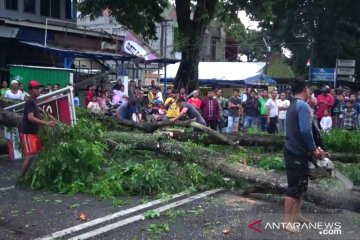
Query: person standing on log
point(223, 109)
point(251, 110)
point(189, 111)
point(272, 113)
point(300, 147)
point(29, 126)
point(234, 112)
point(283, 104)
point(210, 110)
point(262, 104)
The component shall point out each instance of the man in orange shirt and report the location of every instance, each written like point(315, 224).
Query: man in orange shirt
point(325, 101)
point(195, 101)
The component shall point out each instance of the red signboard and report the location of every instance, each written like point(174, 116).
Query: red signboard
point(59, 108)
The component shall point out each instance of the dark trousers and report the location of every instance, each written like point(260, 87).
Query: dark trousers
point(221, 125)
point(212, 124)
point(263, 123)
point(272, 128)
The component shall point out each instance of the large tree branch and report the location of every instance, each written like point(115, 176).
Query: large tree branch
point(276, 182)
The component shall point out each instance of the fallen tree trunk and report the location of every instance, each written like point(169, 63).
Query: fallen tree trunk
point(270, 142)
point(9, 119)
point(242, 139)
point(321, 195)
point(6, 102)
point(152, 127)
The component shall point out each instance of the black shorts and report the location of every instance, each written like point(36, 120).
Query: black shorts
point(297, 173)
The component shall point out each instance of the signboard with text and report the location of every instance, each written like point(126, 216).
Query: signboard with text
point(346, 63)
point(346, 71)
point(323, 74)
point(56, 104)
point(58, 108)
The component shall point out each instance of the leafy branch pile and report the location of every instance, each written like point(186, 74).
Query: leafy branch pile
point(342, 141)
point(79, 159)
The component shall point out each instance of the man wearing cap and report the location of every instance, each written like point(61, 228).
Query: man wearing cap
point(14, 92)
point(30, 124)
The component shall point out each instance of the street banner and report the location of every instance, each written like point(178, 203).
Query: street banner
point(323, 74)
point(133, 45)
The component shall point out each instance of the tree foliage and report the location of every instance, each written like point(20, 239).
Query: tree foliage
point(330, 27)
point(138, 15)
point(250, 41)
point(193, 18)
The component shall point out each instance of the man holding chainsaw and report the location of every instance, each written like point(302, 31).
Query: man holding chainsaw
point(300, 147)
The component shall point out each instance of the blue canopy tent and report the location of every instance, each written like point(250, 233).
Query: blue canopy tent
point(225, 73)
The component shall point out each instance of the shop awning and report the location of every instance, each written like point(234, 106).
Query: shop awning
point(225, 73)
point(8, 32)
point(77, 53)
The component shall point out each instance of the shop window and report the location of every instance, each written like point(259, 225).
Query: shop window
point(29, 6)
point(12, 4)
point(69, 9)
point(50, 8)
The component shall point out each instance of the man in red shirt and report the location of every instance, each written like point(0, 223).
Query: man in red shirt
point(195, 101)
point(325, 101)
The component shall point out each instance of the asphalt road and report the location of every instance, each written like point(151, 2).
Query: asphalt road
point(25, 214)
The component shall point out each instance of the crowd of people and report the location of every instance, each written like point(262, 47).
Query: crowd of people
point(18, 92)
point(15, 92)
point(330, 108)
point(242, 111)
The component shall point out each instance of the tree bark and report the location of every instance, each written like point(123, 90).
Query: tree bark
point(191, 31)
point(269, 142)
point(9, 119)
point(5, 102)
point(276, 142)
point(276, 182)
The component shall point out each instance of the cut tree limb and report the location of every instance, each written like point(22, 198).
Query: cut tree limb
point(6, 102)
point(269, 142)
point(321, 195)
point(152, 127)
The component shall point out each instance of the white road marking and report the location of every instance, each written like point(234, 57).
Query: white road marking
point(6, 188)
point(107, 218)
point(126, 221)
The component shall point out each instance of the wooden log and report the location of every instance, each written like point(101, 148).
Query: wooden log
point(318, 194)
point(9, 119)
point(6, 102)
point(277, 142)
point(269, 142)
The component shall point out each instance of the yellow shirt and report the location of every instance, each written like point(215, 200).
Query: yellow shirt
point(173, 110)
point(151, 98)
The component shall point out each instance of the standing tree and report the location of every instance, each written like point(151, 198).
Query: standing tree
point(330, 28)
point(193, 19)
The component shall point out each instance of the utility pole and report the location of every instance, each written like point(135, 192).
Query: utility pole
point(268, 50)
point(161, 39)
point(165, 39)
point(311, 59)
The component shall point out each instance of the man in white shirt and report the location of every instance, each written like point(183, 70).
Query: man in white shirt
point(159, 97)
point(272, 113)
point(14, 93)
point(283, 105)
point(124, 99)
point(25, 95)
